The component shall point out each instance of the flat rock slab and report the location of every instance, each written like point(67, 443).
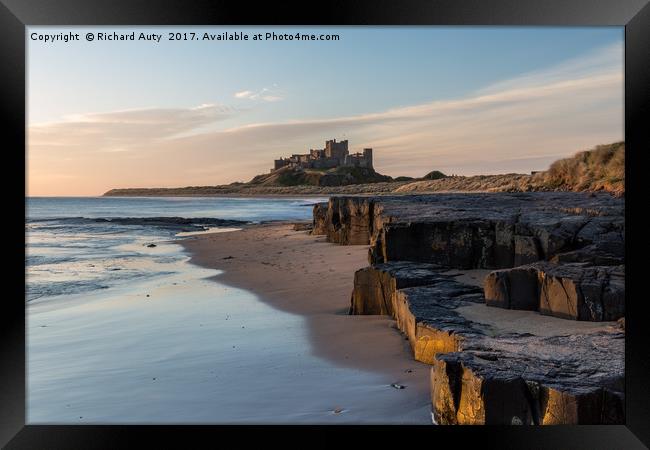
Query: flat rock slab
point(427, 316)
point(574, 291)
point(475, 277)
point(528, 380)
point(375, 286)
point(491, 369)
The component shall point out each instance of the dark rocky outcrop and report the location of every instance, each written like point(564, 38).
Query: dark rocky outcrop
point(348, 220)
point(559, 254)
point(514, 235)
point(301, 176)
point(489, 231)
point(571, 291)
point(513, 288)
point(172, 223)
point(319, 226)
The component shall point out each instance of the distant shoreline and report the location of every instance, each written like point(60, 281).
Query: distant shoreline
point(599, 169)
point(248, 190)
point(227, 195)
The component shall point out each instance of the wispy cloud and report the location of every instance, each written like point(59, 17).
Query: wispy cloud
point(604, 60)
point(516, 125)
point(119, 130)
point(244, 94)
point(264, 94)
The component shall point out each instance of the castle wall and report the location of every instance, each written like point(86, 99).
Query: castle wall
point(334, 154)
point(325, 163)
point(359, 159)
point(279, 163)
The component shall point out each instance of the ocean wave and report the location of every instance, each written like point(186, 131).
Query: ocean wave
point(171, 222)
point(40, 260)
point(81, 245)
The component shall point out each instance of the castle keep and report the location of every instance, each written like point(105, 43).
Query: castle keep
point(335, 154)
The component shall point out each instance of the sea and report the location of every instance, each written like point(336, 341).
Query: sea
point(77, 245)
point(123, 329)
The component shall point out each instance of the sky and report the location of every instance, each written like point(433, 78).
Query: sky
point(463, 100)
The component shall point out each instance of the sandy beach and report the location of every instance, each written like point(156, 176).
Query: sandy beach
point(305, 275)
point(148, 337)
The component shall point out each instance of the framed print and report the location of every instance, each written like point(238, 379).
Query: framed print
point(267, 217)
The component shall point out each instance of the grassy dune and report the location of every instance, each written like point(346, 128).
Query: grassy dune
point(602, 168)
point(598, 169)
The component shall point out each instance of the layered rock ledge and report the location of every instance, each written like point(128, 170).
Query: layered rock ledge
point(557, 254)
point(375, 286)
point(571, 291)
point(532, 380)
point(489, 231)
point(487, 371)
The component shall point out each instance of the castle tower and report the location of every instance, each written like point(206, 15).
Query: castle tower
point(337, 150)
point(367, 155)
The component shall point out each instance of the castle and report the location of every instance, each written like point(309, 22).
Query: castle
point(335, 154)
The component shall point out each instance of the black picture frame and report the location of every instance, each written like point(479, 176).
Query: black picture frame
point(15, 15)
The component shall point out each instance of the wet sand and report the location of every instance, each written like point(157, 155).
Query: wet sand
point(305, 275)
point(517, 321)
point(180, 348)
point(302, 274)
